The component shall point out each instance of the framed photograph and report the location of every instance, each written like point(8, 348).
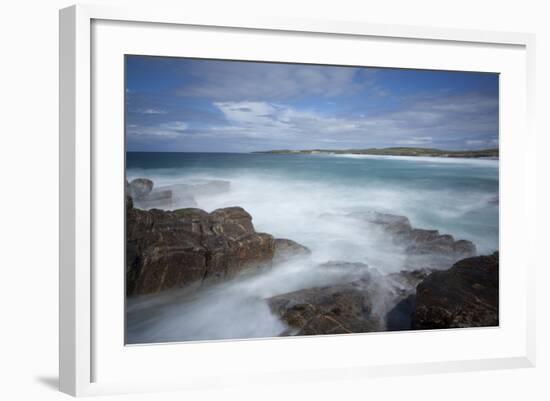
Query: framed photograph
point(265, 200)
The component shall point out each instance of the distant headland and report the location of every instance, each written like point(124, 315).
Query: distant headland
point(395, 151)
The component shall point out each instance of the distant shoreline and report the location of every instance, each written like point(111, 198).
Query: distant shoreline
point(397, 151)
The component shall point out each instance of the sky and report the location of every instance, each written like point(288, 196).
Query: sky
point(199, 105)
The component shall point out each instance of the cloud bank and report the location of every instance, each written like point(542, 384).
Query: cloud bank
point(191, 105)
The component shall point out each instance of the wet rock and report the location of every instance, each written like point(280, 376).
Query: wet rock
point(337, 309)
point(286, 249)
point(189, 247)
point(466, 295)
point(352, 303)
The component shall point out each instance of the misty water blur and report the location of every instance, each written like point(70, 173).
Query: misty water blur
point(306, 198)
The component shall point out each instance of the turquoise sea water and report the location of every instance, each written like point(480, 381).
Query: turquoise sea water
point(455, 196)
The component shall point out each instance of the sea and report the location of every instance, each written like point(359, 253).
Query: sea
point(296, 196)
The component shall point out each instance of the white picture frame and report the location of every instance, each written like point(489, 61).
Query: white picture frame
point(81, 213)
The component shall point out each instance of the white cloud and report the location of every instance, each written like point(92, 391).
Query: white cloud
point(152, 111)
point(424, 122)
point(269, 120)
point(418, 123)
point(249, 113)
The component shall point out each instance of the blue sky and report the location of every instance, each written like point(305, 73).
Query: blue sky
point(192, 105)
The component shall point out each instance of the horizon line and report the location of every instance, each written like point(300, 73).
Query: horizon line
point(310, 149)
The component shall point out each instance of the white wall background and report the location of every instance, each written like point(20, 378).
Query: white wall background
point(29, 200)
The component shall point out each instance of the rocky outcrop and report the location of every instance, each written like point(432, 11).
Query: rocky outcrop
point(424, 248)
point(337, 309)
point(190, 247)
point(286, 249)
point(466, 295)
point(351, 305)
point(187, 247)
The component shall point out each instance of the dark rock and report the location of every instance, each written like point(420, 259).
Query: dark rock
point(188, 247)
point(129, 203)
point(354, 303)
point(337, 309)
point(466, 295)
point(400, 316)
point(286, 249)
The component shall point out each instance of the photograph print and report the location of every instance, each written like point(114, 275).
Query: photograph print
point(269, 199)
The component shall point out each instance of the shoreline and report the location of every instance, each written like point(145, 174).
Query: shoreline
point(396, 151)
point(350, 155)
point(407, 157)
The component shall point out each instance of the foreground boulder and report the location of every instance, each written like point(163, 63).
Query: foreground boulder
point(349, 306)
point(187, 247)
point(337, 309)
point(466, 295)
